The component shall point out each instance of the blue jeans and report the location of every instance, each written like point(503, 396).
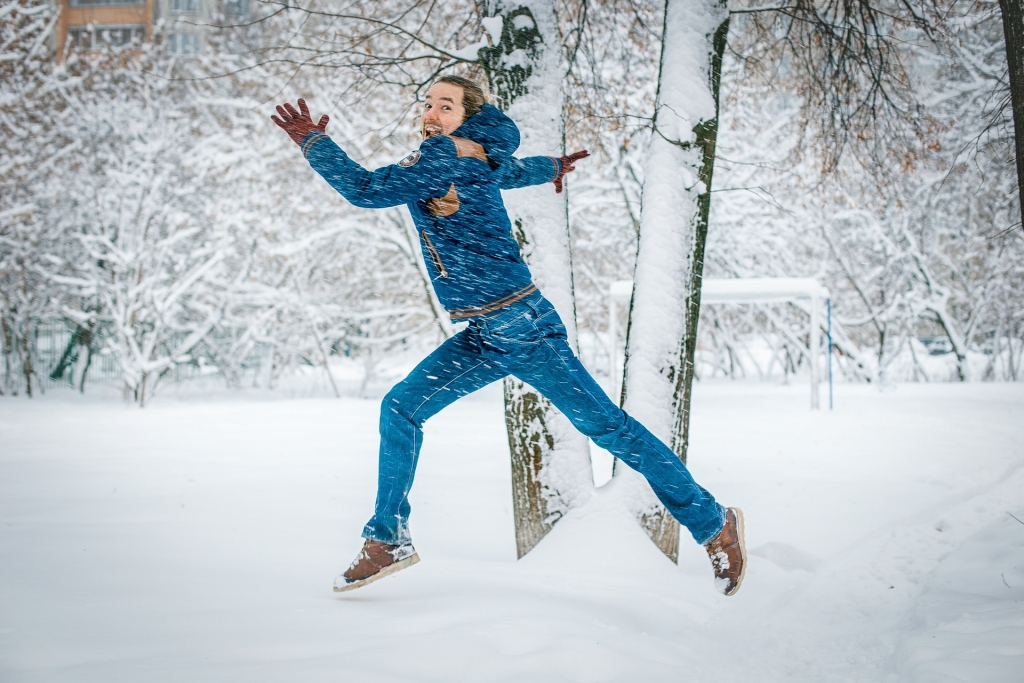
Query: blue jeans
point(526, 339)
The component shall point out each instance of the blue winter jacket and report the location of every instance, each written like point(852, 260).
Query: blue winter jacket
point(452, 188)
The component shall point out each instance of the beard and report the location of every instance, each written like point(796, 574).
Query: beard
point(431, 129)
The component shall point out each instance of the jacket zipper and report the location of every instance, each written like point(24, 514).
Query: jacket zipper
point(434, 256)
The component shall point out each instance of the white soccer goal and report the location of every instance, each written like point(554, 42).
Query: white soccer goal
point(738, 291)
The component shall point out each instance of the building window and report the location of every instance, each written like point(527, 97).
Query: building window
point(183, 43)
point(183, 6)
point(236, 8)
point(95, 37)
point(93, 3)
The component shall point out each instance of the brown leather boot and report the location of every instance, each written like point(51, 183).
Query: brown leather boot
point(728, 553)
point(375, 561)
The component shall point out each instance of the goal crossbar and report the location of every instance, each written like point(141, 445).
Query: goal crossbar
point(741, 291)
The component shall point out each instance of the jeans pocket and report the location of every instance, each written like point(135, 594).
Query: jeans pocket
point(509, 321)
point(548, 324)
point(513, 330)
point(520, 334)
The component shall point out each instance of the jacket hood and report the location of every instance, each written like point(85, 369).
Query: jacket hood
point(498, 134)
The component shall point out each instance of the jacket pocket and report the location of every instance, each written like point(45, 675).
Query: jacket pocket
point(434, 256)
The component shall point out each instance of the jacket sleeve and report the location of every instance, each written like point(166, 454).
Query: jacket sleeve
point(429, 175)
point(529, 171)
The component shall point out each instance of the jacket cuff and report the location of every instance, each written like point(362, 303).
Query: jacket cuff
point(558, 169)
point(310, 140)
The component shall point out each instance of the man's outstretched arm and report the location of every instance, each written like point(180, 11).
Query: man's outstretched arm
point(538, 170)
point(388, 186)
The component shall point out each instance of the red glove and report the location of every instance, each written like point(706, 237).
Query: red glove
point(299, 124)
point(567, 166)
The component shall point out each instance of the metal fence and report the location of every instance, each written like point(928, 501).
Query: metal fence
point(51, 341)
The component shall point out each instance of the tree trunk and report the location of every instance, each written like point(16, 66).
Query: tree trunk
point(27, 367)
point(1013, 29)
point(662, 333)
point(9, 382)
point(551, 470)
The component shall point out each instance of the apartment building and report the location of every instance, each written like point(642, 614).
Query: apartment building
point(93, 24)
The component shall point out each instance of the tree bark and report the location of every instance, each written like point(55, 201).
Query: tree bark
point(27, 367)
point(662, 332)
point(1013, 29)
point(9, 382)
point(551, 470)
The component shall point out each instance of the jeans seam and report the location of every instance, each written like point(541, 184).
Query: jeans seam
point(441, 388)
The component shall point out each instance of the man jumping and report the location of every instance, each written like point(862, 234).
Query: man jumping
point(452, 186)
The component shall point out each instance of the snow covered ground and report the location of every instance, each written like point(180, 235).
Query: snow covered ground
point(196, 540)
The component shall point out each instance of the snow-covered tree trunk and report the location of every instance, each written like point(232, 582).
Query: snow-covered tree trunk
point(673, 227)
point(1013, 29)
point(551, 470)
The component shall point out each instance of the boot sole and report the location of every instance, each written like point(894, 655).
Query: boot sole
point(743, 550)
point(387, 571)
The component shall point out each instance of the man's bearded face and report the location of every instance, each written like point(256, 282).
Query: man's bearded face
point(442, 110)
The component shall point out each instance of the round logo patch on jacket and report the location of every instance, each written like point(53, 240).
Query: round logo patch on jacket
point(410, 160)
